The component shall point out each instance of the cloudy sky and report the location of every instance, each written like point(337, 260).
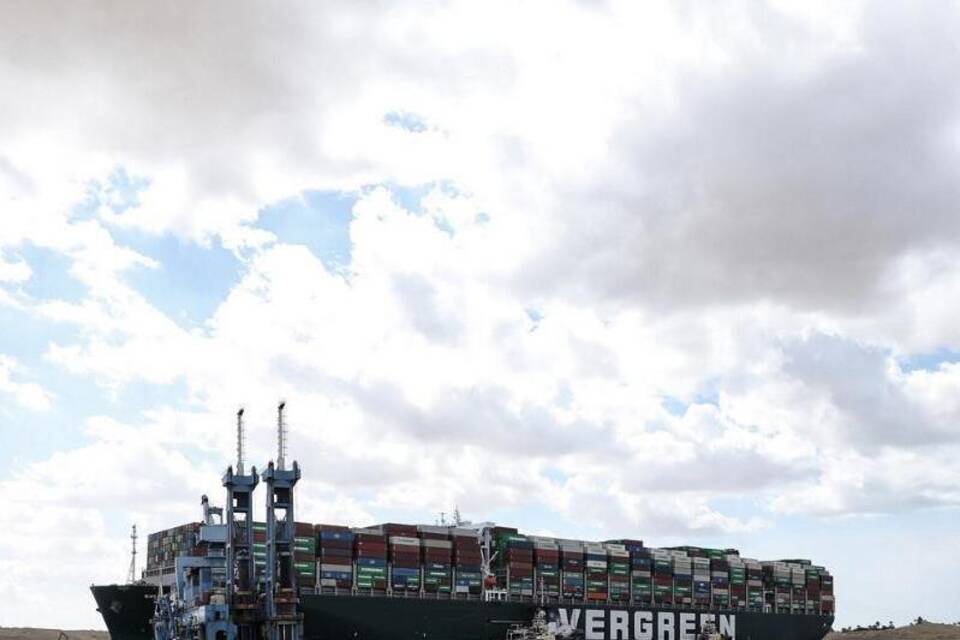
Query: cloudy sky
point(686, 272)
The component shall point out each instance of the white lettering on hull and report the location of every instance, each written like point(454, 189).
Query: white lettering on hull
point(619, 624)
point(643, 625)
point(569, 620)
point(688, 626)
point(665, 630)
point(728, 625)
point(595, 620)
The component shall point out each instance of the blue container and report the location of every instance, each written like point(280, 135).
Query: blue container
point(701, 587)
point(336, 535)
point(371, 562)
point(468, 568)
point(336, 575)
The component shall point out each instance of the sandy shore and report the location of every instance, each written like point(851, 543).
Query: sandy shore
point(22, 633)
point(919, 632)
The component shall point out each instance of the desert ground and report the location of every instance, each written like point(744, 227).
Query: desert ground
point(20, 633)
point(926, 631)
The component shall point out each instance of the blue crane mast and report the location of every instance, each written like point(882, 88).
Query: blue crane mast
point(217, 594)
point(283, 620)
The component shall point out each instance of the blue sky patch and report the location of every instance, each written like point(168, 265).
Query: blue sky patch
point(929, 361)
point(405, 120)
point(191, 280)
point(674, 406)
point(319, 220)
point(51, 279)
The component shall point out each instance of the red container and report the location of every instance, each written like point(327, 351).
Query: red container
point(335, 544)
point(427, 535)
point(331, 527)
point(395, 529)
point(375, 538)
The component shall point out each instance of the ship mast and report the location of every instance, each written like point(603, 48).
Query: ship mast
point(132, 573)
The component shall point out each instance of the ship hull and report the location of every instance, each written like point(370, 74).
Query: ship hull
point(128, 609)
point(329, 617)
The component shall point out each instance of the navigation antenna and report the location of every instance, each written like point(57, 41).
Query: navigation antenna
point(240, 436)
point(281, 436)
point(132, 574)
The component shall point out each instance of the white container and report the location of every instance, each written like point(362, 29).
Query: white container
point(424, 528)
point(596, 564)
point(404, 540)
point(437, 544)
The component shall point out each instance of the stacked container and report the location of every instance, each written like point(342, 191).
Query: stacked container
point(618, 572)
point(798, 588)
point(776, 582)
point(755, 597)
point(437, 559)
point(571, 570)
point(738, 582)
point(260, 549)
point(682, 577)
point(446, 562)
point(467, 562)
point(515, 572)
point(826, 593)
point(662, 577)
point(641, 575)
point(720, 582)
point(405, 554)
point(334, 557)
point(595, 574)
point(701, 581)
point(812, 595)
point(546, 566)
point(163, 547)
point(305, 555)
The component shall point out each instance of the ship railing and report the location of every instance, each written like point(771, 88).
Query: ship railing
point(672, 606)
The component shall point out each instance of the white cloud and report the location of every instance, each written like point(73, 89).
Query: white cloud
point(27, 394)
point(18, 271)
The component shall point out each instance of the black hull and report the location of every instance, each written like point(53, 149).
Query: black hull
point(127, 610)
point(328, 617)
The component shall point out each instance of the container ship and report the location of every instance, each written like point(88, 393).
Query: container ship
point(230, 577)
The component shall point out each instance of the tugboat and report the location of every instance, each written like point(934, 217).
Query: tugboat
point(709, 632)
point(538, 629)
